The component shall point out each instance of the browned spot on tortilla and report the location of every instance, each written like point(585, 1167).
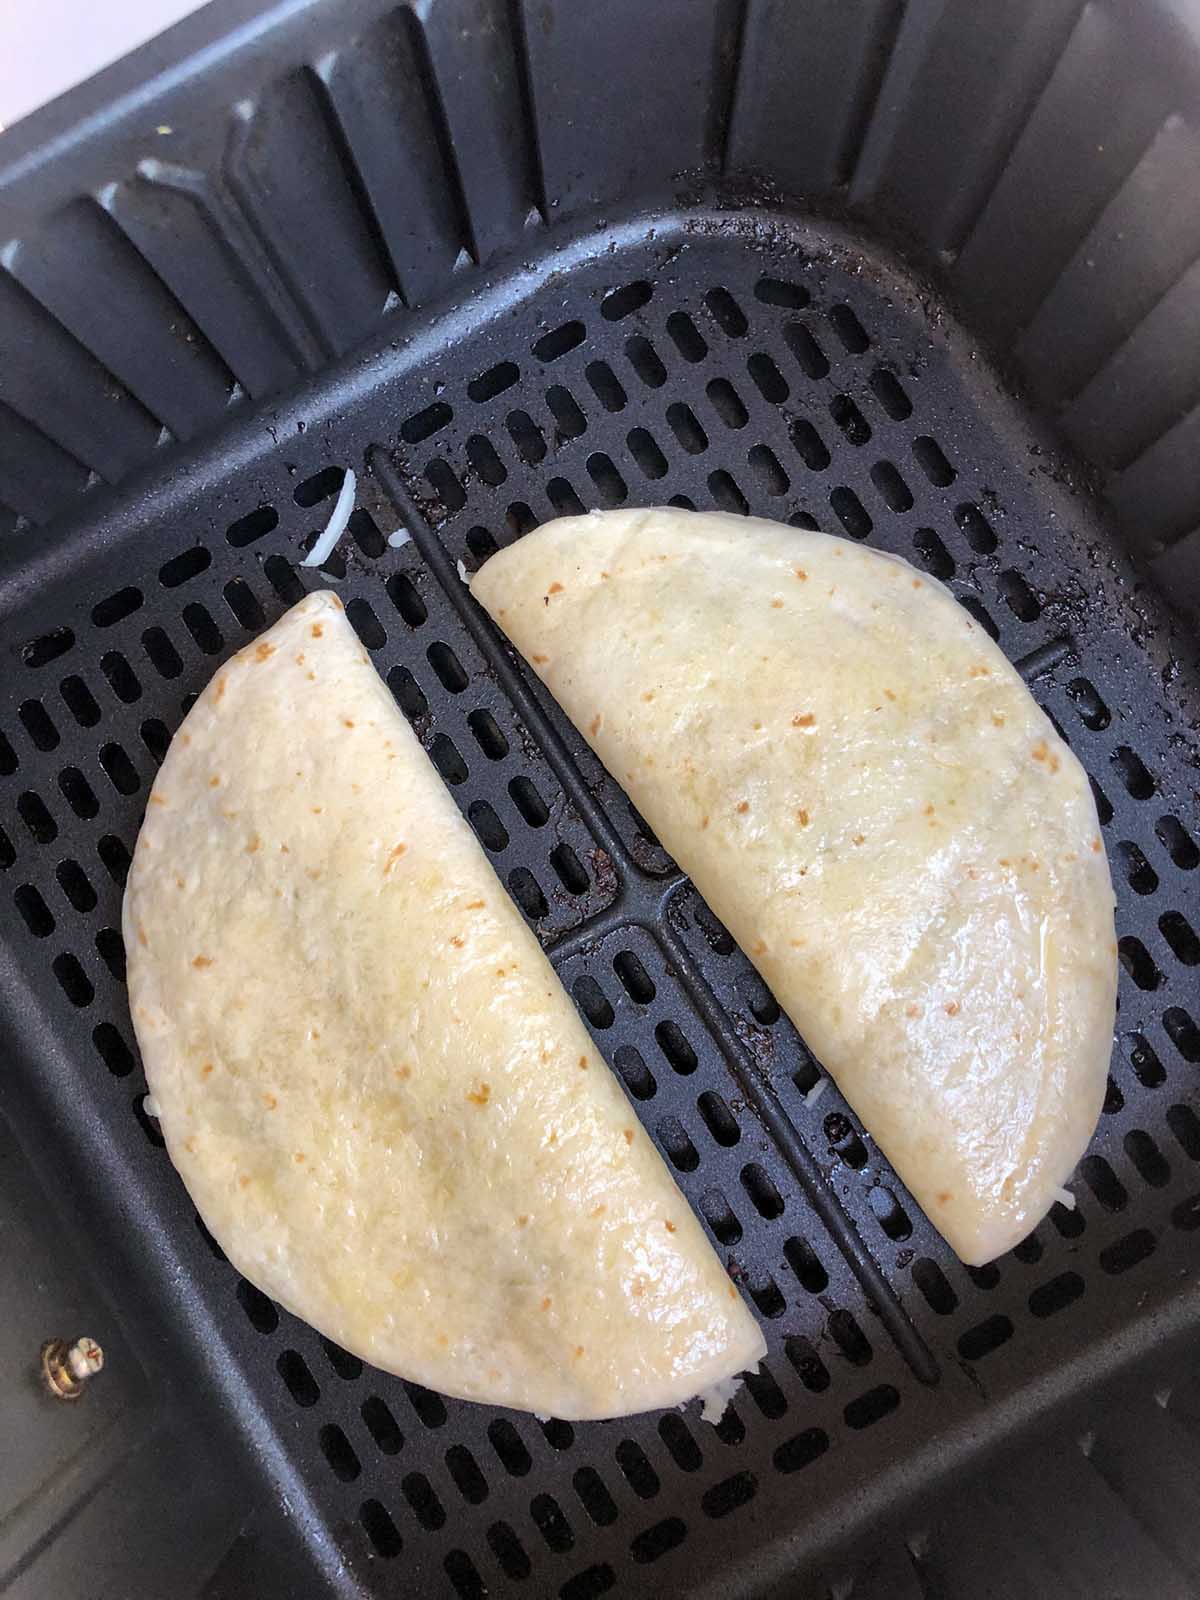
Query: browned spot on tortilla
point(732, 1292)
point(798, 944)
point(669, 1225)
point(806, 721)
point(539, 661)
point(546, 1303)
point(801, 574)
point(980, 671)
point(916, 583)
point(553, 1139)
point(802, 817)
point(317, 629)
point(442, 1339)
point(704, 822)
point(912, 1010)
point(254, 844)
point(312, 872)
point(299, 1156)
point(997, 719)
point(628, 1132)
point(929, 809)
point(475, 905)
point(244, 1180)
point(220, 687)
point(1096, 846)
point(189, 1144)
point(889, 695)
point(185, 738)
point(142, 940)
point(397, 851)
point(347, 722)
point(606, 575)
point(270, 1101)
point(1041, 750)
point(742, 807)
point(522, 1221)
point(285, 849)
point(480, 1096)
point(578, 1351)
point(759, 948)
point(639, 1287)
point(599, 1209)
point(457, 941)
point(200, 962)
point(952, 1008)
point(206, 1069)
point(944, 1198)
point(263, 651)
point(583, 1061)
point(403, 1072)
point(317, 810)
point(1005, 862)
point(649, 695)
point(776, 605)
point(859, 838)
point(300, 658)
point(555, 588)
point(179, 883)
point(594, 725)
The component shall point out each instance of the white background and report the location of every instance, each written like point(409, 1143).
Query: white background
point(48, 45)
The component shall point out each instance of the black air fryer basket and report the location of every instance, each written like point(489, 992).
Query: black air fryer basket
point(923, 274)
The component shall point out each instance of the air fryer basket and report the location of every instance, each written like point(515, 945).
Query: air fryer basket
point(425, 244)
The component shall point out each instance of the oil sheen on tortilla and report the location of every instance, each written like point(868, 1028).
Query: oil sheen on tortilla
point(869, 798)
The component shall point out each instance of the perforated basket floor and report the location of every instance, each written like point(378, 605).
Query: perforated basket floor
point(739, 361)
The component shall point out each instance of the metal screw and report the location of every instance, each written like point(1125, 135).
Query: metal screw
point(67, 1367)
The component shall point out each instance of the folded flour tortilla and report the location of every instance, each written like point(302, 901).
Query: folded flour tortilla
point(866, 794)
point(372, 1083)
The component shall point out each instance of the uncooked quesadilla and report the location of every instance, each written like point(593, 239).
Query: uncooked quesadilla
point(867, 795)
point(377, 1092)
